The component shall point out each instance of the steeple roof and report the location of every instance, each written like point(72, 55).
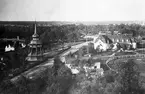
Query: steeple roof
point(35, 37)
point(35, 32)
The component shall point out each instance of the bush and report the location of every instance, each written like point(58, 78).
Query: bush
point(109, 78)
point(5, 86)
point(60, 83)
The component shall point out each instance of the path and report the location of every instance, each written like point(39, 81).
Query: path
point(113, 58)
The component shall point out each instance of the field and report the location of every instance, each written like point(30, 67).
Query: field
point(124, 53)
point(141, 51)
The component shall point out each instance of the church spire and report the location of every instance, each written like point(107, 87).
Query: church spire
point(36, 53)
point(35, 30)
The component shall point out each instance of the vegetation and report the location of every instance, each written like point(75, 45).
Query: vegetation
point(59, 79)
point(47, 82)
point(64, 33)
point(126, 81)
point(124, 53)
point(128, 77)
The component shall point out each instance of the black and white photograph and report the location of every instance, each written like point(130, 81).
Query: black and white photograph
point(72, 46)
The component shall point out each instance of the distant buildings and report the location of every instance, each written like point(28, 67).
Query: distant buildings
point(104, 41)
point(11, 44)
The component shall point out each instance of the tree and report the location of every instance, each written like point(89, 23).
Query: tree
point(129, 77)
point(60, 83)
point(57, 64)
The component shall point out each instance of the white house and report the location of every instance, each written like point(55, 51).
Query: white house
point(73, 70)
point(134, 45)
point(101, 43)
point(97, 65)
point(9, 48)
point(62, 58)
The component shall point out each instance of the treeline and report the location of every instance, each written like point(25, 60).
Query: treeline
point(66, 33)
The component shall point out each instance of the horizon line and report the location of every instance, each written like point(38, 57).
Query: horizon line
point(69, 21)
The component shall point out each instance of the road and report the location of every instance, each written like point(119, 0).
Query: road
point(31, 73)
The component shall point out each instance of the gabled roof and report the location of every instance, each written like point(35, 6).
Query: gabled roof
point(119, 36)
point(104, 38)
point(109, 38)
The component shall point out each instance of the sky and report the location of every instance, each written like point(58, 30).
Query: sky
point(72, 10)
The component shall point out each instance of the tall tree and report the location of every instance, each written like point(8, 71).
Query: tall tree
point(129, 77)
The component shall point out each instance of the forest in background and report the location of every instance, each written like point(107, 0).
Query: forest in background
point(64, 32)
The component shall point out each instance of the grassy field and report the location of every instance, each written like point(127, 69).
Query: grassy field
point(124, 53)
point(141, 51)
point(103, 53)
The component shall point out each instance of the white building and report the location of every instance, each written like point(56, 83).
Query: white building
point(104, 42)
point(101, 43)
point(62, 58)
point(73, 70)
point(97, 65)
point(134, 45)
point(9, 48)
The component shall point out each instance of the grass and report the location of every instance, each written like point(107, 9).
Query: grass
point(104, 53)
point(141, 51)
point(124, 53)
point(141, 67)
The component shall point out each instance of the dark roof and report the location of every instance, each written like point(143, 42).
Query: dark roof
point(111, 38)
point(104, 38)
point(119, 37)
point(107, 39)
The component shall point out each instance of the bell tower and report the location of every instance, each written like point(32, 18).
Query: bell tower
point(35, 48)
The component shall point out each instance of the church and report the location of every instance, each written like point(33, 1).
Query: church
point(35, 48)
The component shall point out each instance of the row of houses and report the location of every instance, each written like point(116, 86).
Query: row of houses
point(113, 41)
